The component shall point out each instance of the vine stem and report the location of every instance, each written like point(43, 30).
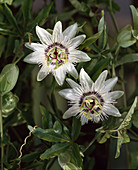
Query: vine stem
point(113, 17)
point(1, 130)
point(93, 140)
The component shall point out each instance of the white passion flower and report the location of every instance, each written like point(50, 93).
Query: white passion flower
point(57, 52)
point(89, 100)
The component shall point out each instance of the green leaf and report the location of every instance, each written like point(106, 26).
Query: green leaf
point(9, 103)
point(46, 118)
point(80, 6)
point(128, 58)
point(128, 117)
point(76, 126)
point(2, 44)
point(8, 32)
point(135, 16)
point(135, 118)
point(103, 36)
point(55, 150)
point(125, 38)
point(71, 166)
point(27, 4)
point(122, 138)
point(57, 127)
point(10, 17)
point(99, 67)
point(8, 78)
point(101, 23)
point(41, 17)
point(63, 159)
point(104, 138)
point(30, 157)
point(10, 46)
point(90, 40)
point(48, 134)
point(76, 154)
point(9, 2)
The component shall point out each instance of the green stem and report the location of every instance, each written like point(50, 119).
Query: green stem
point(113, 70)
point(113, 17)
point(94, 139)
point(1, 130)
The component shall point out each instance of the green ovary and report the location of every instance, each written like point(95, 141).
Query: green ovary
point(89, 106)
point(56, 57)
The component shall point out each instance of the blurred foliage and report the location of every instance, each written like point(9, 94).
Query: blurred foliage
point(56, 139)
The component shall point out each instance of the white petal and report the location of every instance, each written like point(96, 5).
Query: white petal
point(72, 83)
point(72, 111)
point(85, 79)
point(100, 80)
point(70, 31)
point(111, 110)
point(60, 74)
point(35, 58)
point(83, 120)
point(110, 83)
point(116, 94)
point(72, 70)
point(44, 71)
point(57, 32)
point(67, 93)
point(44, 36)
point(78, 56)
point(36, 47)
point(77, 41)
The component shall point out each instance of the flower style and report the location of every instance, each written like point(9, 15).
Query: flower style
point(57, 53)
point(91, 101)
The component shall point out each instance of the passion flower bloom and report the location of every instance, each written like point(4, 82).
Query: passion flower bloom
point(57, 52)
point(91, 101)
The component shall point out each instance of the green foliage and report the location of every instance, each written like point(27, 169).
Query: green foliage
point(128, 116)
point(55, 150)
point(9, 2)
point(122, 138)
point(8, 78)
point(125, 38)
point(54, 138)
point(50, 135)
point(76, 127)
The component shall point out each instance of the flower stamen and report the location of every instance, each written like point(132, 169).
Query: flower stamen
point(56, 55)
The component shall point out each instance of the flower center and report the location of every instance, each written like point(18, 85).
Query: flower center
point(90, 104)
point(56, 55)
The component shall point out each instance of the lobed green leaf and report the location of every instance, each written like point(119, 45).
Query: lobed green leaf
point(49, 135)
point(122, 138)
point(90, 40)
point(27, 4)
point(55, 150)
point(8, 32)
point(46, 118)
point(125, 38)
point(76, 127)
point(41, 17)
point(135, 16)
point(10, 17)
point(76, 154)
point(128, 59)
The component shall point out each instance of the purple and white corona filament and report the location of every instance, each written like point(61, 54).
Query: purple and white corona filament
point(91, 101)
point(57, 52)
